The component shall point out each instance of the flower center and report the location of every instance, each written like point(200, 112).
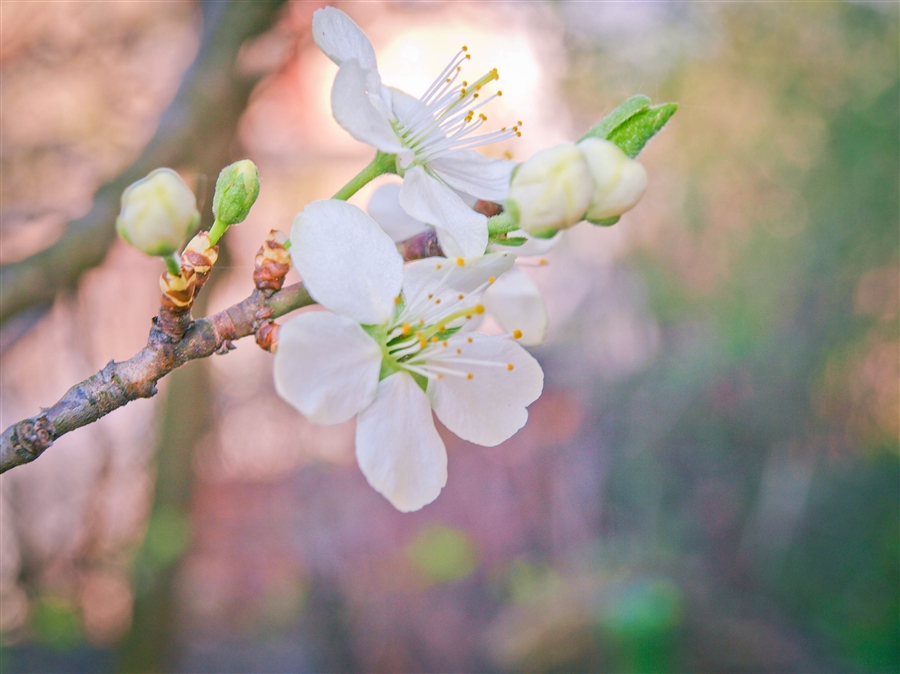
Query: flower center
point(422, 339)
point(445, 121)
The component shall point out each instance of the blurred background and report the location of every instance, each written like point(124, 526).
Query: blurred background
point(710, 479)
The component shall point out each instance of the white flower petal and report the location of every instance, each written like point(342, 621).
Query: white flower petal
point(515, 302)
point(397, 446)
point(490, 407)
point(326, 366)
point(472, 173)
point(358, 104)
point(445, 278)
point(461, 231)
point(347, 263)
point(385, 209)
point(341, 39)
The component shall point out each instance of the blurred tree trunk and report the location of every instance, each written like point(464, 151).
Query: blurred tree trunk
point(187, 413)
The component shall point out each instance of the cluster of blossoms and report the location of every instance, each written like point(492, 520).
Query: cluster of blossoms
point(399, 341)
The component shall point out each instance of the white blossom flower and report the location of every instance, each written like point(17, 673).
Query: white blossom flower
point(513, 300)
point(393, 333)
point(433, 137)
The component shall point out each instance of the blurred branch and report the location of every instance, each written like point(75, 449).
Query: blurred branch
point(118, 384)
point(208, 104)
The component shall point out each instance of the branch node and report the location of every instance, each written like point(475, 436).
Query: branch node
point(272, 263)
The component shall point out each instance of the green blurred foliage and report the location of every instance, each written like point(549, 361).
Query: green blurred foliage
point(442, 554)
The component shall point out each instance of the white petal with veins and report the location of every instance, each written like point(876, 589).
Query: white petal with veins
point(488, 407)
point(347, 263)
point(326, 366)
point(397, 447)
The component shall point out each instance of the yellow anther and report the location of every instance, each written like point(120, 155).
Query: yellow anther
point(517, 334)
point(468, 56)
point(430, 296)
point(515, 128)
point(421, 321)
point(418, 334)
point(423, 343)
point(460, 296)
point(503, 129)
point(459, 351)
point(438, 267)
point(469, 340)
point(465, 48)
point(518, 134)
point(474, 95)
point(499, 93)
point(483, 117)
point(435, 339)
point(459, 69)
point(479, 309)
point(492, 279)
point(441, 328)
point(542, 262)
point(477, 87)
point(468, 317)
point(507, 154)
point(469, 376)
point(509, 366)
point(406, 330)
point(397, 299)
point(465, 83)
point(448, 80)
point(520, 122)
point(440, 376)
point(445, 342)
point(438, 300)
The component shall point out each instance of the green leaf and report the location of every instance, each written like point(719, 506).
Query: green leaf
point(606, 222)
point(617, 117)
point(634, 134)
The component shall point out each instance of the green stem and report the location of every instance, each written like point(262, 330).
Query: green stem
point(173, 264)
point(381, 164)
point(218, 230)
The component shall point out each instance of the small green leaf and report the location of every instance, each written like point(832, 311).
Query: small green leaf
point(634, 134)
point(606, 222)
point(617, 117)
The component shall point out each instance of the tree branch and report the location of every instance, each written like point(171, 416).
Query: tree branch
point(118, 384)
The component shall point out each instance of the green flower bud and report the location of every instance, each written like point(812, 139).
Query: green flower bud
point(236, 192)
point(551, 190)
point(619, 181)
point(158, 213)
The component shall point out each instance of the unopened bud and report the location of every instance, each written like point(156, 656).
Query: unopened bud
point(158, 212)
point(236, 192)
point(619, 181)
point(551, 190)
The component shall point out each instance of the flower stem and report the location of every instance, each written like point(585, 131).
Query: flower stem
point(218, 230)
point(381, 164)
point(173, 264)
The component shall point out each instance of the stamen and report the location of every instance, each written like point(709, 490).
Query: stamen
point(517, 334)
point(510, 367)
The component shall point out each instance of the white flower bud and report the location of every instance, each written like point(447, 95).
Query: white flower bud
point(619, 181)
point(551, 190)
point(158, 213)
